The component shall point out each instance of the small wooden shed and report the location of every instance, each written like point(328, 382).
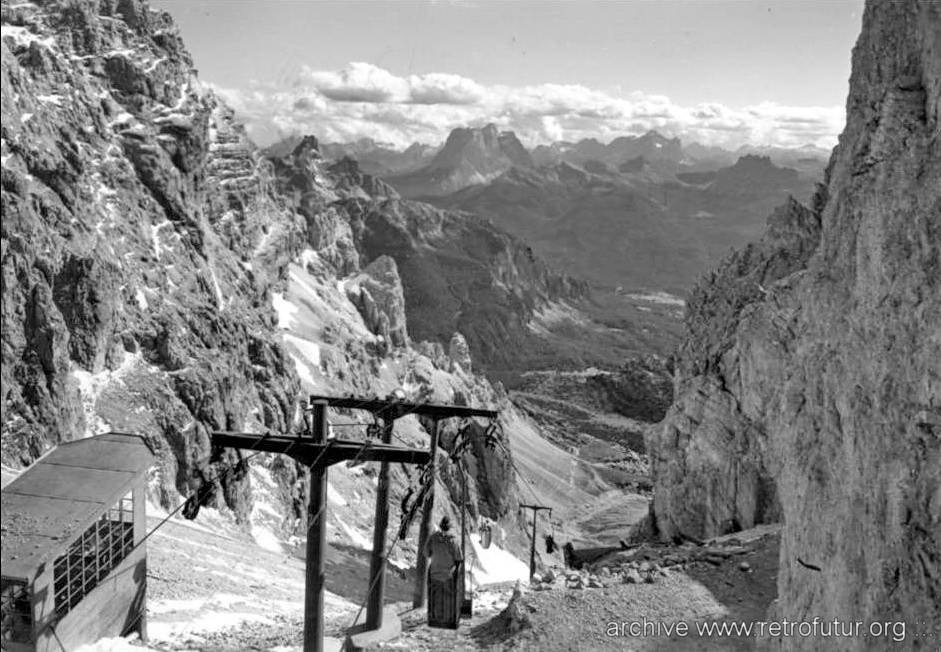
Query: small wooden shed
point(72, 569)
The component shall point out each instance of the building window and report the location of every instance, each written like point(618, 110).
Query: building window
point(94, 554)
point(17, 615)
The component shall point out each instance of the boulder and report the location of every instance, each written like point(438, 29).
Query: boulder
point(459, 353)
point(377, 293)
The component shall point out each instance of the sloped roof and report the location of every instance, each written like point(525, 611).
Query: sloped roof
point(65, 491)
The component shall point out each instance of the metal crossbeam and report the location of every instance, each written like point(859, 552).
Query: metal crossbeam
point(319, 453)
point(391, 409)
point(306, 450)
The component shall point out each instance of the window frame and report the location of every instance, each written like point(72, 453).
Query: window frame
point(93, 555)
point(16, 600)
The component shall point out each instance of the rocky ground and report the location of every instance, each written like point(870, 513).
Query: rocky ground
point(575, 610)
point(212, 590)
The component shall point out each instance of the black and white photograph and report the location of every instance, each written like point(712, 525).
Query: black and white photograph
point(470, 325)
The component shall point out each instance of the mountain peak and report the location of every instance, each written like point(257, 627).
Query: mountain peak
point(470, 155)
point(306, 145)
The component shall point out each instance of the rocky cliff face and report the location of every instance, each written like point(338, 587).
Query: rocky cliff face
point(140, 237)
point(809, 386)
point(458, 272)
point(148, 250)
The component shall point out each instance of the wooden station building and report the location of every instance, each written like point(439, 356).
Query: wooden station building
point(72, 569)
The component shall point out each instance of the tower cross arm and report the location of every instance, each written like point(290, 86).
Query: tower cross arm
point(333, 451)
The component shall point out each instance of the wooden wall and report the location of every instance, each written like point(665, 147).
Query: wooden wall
point(116, 607)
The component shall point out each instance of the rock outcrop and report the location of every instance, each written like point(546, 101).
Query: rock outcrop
point(147, 249)
point(377, 292)
point(140, 237)
point(809, 386)
point(458, 271)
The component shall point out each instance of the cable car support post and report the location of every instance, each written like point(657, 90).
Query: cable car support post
point(532, 544)
point(388, 410)
point(420, 593)
point(317, 453)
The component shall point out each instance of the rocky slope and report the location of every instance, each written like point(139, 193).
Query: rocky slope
point(458, 272)
point(808, 388)
point(156, 280)
point(139, 241)
point(469, 156)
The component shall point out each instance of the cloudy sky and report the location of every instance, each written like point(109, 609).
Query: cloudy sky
point(726, 72)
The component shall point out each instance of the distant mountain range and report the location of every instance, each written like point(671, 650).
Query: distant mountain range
point(636, 226)
point(639, 212)
point(373, 158)
point(652, 146)
point(472, 156)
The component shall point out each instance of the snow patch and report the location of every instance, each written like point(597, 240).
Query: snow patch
point(285, 309)
point(155, 236)
point(218, 289)
point(308, 257)
point(300, 365)
point(335, 497)
point(309, 350)
point(22, 37)
point(358, 538)
point(493, 565)
point(122, 118)
point(553, 314)
point(266, 539)
point(154, 64)
point(663, 298)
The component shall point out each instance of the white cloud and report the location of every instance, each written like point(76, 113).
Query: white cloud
point(442, 88)
point(358, 82)
point(364, 100)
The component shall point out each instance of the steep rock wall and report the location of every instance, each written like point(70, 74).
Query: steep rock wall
point(827, 381)
point(139, 240)
point(143, 241)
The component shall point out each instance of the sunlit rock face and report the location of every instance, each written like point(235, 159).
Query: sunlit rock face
point(143, 240)
point(140, 237)
point(809, 386)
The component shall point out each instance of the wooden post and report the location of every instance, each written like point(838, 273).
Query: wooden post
point(315, 447)
point(420, 594)
point(532, 550)
point(463, 568)
point(377, 563)
point(316, 539)
point(532, 544)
